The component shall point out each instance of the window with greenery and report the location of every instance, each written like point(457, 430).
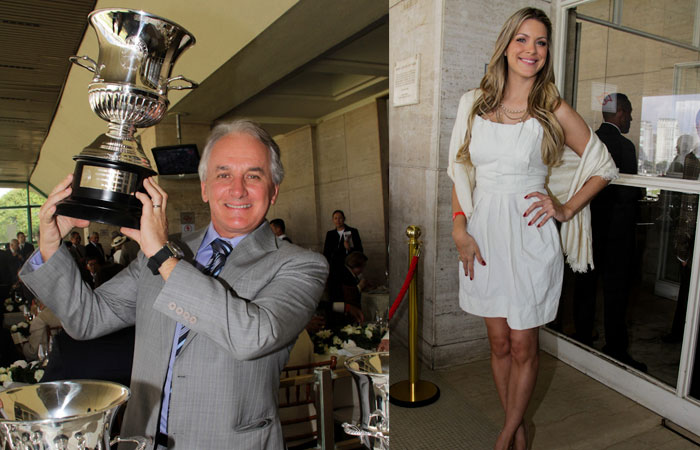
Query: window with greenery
point(16, 208)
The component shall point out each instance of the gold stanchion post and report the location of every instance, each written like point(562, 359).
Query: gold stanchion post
point(413, 392)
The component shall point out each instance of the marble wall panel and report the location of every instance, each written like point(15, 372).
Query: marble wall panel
point(362, 141)
point(296, 149)
point(330, 155)
point(296, 207)
point(457, 327)
point(366, 206)
point(414, 30)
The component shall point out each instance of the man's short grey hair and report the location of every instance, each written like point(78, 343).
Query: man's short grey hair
point(250, 128)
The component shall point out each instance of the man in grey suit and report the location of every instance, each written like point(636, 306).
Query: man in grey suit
point(209, 349)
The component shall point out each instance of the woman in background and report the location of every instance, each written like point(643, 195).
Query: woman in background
point(507, 136)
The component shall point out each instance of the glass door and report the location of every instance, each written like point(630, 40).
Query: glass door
point(632, 71)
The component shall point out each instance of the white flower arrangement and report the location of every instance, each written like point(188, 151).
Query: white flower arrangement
point(19, 363)
point(324, 334)
point(349, 336)
point(22, 372)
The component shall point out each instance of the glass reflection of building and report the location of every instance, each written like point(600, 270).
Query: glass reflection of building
point(667, 133)
point(646, 147)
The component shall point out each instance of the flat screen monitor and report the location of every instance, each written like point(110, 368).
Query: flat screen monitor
point(176, 159)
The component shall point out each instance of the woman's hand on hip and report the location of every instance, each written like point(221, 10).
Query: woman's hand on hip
point(545, 208)
point(468, 251)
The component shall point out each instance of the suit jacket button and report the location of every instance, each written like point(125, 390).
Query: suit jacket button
point(179, 311)
point(193, 320)
point(172, 306)
point(186, 315)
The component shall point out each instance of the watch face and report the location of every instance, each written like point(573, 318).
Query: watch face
point(176, 251)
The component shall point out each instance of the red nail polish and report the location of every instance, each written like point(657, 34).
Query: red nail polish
point(525, 215)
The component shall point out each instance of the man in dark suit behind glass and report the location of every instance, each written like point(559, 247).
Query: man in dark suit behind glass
point(613, 220)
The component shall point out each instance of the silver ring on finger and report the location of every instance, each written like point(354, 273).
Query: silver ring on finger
point(156, 206)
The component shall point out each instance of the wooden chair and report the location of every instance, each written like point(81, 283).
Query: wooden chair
point(308, 389)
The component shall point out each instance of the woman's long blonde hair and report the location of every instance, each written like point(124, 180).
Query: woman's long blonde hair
point(542, 101)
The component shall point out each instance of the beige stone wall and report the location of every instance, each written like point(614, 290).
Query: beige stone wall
point(296, 202)
point(336, 165)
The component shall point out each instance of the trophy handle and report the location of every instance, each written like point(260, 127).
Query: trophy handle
point(191, 85)
point(142, 442)
point(80, 61)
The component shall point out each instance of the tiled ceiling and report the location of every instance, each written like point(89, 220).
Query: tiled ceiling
point(36, 38)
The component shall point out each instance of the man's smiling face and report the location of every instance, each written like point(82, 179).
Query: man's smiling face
point(238, 186)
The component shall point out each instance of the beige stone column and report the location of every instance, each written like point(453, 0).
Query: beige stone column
point(454, 40)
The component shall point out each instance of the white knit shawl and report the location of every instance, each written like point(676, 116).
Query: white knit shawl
point(563, 182)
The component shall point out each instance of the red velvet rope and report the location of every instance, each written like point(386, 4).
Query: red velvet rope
point(404, 288)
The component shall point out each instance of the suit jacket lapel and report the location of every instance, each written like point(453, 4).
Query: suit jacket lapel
point(252, 247)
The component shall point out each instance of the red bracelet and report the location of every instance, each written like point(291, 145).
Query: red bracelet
point(458, 213)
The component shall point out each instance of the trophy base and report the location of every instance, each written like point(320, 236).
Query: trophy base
point(103, 191)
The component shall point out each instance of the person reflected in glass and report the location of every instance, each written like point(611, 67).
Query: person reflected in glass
point(508, 134)
point(684, 239)
point(614, 215)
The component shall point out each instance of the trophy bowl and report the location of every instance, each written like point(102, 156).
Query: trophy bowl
point(370, 371)
point(62, 415)
point(132, 76)
point(123, 103)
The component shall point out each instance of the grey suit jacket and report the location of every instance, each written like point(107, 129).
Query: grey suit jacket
point(226, 378)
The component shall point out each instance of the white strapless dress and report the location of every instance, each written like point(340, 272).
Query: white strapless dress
point(524, 268)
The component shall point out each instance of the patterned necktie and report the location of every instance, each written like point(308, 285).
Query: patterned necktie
point(221, 250)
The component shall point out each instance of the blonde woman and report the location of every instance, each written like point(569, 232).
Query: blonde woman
point(508, 136)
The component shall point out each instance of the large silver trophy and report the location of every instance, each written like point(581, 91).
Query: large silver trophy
point(129, 90)
point(62, 415)
point(371, 374)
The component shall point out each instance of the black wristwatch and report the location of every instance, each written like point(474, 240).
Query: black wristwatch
point(169, 250)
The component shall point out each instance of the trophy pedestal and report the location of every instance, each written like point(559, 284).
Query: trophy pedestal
point(103, 191)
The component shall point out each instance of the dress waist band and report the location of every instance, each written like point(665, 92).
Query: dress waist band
point(510, 183)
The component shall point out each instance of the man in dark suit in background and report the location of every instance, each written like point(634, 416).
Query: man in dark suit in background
point(77, 250)
point(613, 220)
point(279, 228)
point(94, 248)
point(25, 248)
point(339, 243)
